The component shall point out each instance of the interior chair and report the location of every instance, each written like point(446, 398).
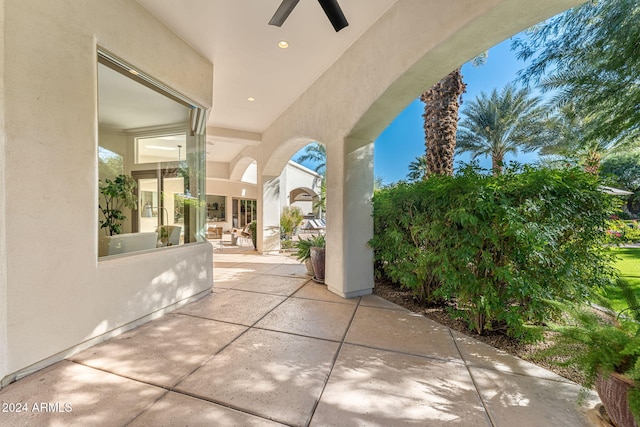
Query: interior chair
point(245, 234)
point(168, 235)
point(215, 233)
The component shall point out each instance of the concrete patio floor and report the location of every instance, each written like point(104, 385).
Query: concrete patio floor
point(270, 347)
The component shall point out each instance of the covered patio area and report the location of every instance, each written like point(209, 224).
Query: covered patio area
point(271, 347)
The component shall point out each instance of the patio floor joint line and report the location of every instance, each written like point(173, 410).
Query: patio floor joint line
point(473, 380)
point(231, 342)
point(333, 363)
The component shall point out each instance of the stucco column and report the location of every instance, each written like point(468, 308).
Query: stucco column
point(268, 214)
point(349, 259)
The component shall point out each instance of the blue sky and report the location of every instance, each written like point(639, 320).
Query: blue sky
point(403, 140)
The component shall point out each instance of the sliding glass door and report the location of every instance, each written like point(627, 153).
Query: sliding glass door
point(161, 199)
point(244, 211)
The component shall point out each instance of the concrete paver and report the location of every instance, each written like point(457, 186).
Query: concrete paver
point(316, 291)
point(533, 402)
point(272, 374)
point(69, 394)
point(274, 285)
point(384, 388)
point(271, 347)
point(478, 354)
point(161, 352)
point(403, 331)
point(175, 409)
point(317, 319)
point(233, 306)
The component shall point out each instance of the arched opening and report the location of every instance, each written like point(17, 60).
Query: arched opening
point(355, 99)
point(231, 196)
point(303, 198)
point(292, 200)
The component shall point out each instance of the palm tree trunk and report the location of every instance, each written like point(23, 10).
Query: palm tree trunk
point(592, 162)
point(442, 102)
point(497, 163)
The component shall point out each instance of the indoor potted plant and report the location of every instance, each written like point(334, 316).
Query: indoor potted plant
point(116, 195)
point(253, 230)
point(317, 253)
point(607, 349)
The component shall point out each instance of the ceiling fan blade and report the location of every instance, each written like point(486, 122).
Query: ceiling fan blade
point(283, 12)
point(334, 13)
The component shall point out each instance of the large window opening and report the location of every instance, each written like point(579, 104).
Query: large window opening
point(151, 157)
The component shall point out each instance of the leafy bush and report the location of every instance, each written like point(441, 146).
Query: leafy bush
point(606, 344)
point(499, 246)
point(287, 244)
point(290, 219)
point(620, 232)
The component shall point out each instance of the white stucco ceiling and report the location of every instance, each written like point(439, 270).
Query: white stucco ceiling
point(235, 36)
point(126, 104)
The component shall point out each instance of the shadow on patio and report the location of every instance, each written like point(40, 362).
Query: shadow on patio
point(271, 347)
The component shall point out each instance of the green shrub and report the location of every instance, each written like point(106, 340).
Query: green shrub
point(606, 343)
point(499, 246)
point(253, 230)
point(290, 219)
point(620, 232)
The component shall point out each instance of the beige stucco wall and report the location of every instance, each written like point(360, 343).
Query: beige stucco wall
point(3, 192)
point(296, 176)
point(57, 293)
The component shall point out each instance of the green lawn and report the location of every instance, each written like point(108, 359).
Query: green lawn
point(629, 265)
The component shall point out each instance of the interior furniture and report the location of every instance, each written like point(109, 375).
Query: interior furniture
point(168, 235)
point(215, 233)
point(128, 242)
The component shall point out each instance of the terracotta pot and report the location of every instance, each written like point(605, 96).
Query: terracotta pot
point(613, 391)
point(317, 261)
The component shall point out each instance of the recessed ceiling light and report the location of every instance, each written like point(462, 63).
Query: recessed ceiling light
point(283, 44)
point(134, 72)
point(251, 99)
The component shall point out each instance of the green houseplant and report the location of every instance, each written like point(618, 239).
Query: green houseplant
point(304, 246)
point(290, 219)
point(116, 195)
point(317, 254)
point(607, 349)
point(303, 253)
point(253, 229)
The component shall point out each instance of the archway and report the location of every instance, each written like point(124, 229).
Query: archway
point(282, 182)
point(303, 198)
point(356, 98)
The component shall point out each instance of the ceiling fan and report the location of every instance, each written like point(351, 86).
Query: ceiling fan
point(331, 9)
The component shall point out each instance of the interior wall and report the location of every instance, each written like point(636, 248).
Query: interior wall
point(231, 189)
point(57, 298)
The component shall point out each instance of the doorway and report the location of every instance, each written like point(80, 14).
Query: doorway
point(161, 196)
point(244, 211)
